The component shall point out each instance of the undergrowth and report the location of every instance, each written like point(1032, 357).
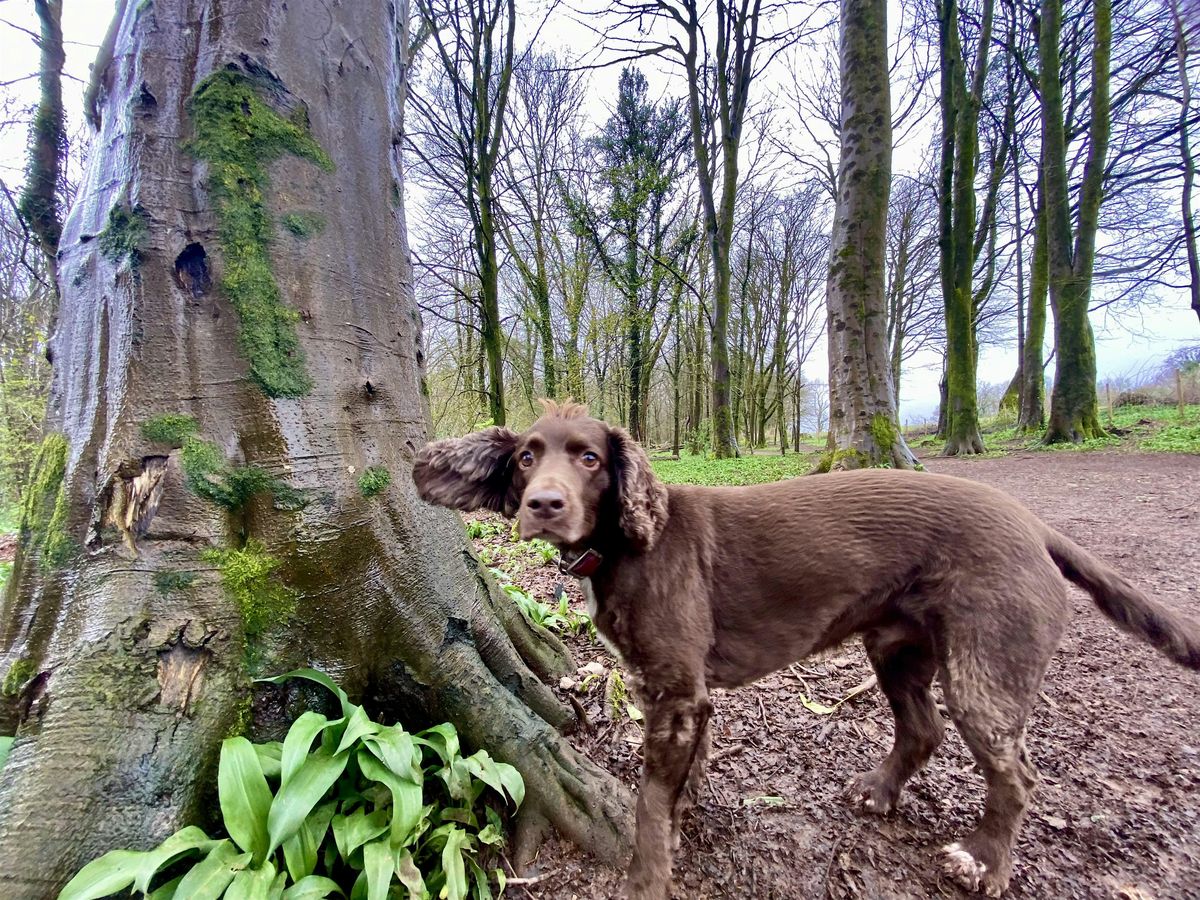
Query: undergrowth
point(1155, 428)
point(745, 470)
point(371, 811)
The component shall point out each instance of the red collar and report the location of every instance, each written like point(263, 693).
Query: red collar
point(583, 566)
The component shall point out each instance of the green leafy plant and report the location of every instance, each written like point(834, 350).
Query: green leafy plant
point(6, 743)
point(371, 811)
point(374, 480)
point(479, 528)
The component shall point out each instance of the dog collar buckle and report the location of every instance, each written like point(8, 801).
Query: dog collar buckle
point(583, 566)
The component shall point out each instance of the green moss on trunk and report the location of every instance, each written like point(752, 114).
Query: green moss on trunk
point(209, 476)
point(125, 235)
point(249, 579)
point(171, 428)
point(44, 516)
point(239, 136)
point(18, 673)
point(304, 224)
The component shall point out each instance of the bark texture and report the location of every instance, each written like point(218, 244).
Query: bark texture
point(960, 156)
point(39, 205)
point(863, 428)
point(1074, 411)
point(187, 530)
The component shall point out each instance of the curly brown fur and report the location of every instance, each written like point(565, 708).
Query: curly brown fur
point(469, 473)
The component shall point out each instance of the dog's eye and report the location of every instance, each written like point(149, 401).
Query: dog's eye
point(589, 458)
point(526, 459)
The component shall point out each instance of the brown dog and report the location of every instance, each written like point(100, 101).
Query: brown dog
point(698, 587)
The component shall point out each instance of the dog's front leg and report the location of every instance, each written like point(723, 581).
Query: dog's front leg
point(675, 729)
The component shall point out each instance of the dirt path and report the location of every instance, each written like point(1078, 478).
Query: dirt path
point(1117, 737)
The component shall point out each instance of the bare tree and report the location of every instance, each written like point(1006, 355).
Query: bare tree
point(458, 138)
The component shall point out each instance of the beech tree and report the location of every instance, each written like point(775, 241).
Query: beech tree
point(459, 139)
point(960, 107)
point(237, 346)
point(1071, 251)
point(863, 427)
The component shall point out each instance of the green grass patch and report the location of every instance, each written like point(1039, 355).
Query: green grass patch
point(744, 470)
point(239, 136)
point(1156, 428)
point(1183, 438)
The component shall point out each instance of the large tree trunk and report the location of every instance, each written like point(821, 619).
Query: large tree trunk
point(862, 414)
point(299, 363)
point(1074, 411)
point(960, 152)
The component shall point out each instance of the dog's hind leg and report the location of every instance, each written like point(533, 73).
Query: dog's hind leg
point(904, 662)
point(676, 727)
point(695, 782)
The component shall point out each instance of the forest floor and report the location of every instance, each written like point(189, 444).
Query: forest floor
point(1117, 813)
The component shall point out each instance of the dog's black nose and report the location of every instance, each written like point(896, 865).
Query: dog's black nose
point(546, 503)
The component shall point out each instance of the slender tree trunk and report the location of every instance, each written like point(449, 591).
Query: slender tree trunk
point(132, 661)
point(863, 426)
point(1012, 395)
point(1074, 410)
point(545, 316)
point(1187, 161)
point(39, 204)
point(724, 441)
point(1032, 416)
point(489, 289)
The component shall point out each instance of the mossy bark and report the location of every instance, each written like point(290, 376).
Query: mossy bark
point(1074, 409)
point(39, 203)
point(134, 655)
point(957, 219)
point(860, 377)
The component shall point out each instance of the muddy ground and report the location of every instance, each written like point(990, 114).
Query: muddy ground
point(1116, 736)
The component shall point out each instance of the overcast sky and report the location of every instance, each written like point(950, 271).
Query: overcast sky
point(1123, 346)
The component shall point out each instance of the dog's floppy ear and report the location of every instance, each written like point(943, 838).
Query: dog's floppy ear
point(469, 473)
point(641, 497)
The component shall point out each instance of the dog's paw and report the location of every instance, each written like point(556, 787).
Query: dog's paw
point(872, 793)
point(960, 864)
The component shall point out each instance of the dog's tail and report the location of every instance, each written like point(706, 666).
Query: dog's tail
point(1173, 635)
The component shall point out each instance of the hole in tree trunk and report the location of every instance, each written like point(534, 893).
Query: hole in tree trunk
point(191, 270)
